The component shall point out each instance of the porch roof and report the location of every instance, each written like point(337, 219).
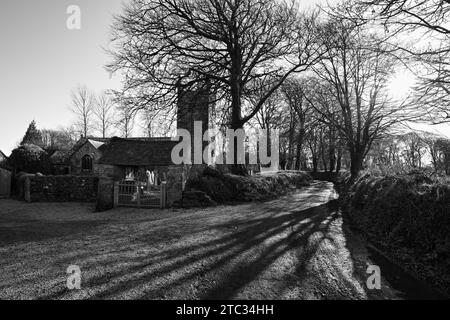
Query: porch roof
point(135, 152)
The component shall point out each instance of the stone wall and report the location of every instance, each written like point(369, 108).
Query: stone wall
point(105, 197)
point(110, 171)
point(5, 183)
point(176, 176)
point(62, 188)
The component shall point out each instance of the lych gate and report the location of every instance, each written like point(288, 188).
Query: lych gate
point(132, 193)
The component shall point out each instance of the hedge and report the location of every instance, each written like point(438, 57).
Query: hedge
point(406, 213)
point(224, 188)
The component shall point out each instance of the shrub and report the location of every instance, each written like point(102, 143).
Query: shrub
point(405, 212)
point(30, 158)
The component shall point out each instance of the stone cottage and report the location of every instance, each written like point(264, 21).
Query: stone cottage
point(86, 155)
point(60, 162)
point(82, 159)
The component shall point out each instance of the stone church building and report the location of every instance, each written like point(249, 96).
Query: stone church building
point(131, 158)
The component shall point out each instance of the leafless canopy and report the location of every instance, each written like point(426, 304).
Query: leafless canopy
point(104, 113)
point(430, 19)
point(411, 14)
point(351, 91)
point(160, 43)
point(82, 106)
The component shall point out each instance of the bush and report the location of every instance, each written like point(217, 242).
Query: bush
point(30, 158)
point(222, 187)
point(404, 212)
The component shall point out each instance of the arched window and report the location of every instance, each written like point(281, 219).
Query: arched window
point(86, 163)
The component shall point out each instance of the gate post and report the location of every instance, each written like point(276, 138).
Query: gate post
point(27, 194)
point(116, 194)
point(138, 184)
point(163, 195)
point(174, 185)
point(106, 194)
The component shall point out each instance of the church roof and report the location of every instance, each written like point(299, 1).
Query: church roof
point(138, 151)
point(60, 156)
point(96, 143)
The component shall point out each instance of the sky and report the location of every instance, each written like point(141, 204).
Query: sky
point(42, 61)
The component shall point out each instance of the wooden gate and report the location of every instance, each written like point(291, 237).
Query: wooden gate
point(141, 195)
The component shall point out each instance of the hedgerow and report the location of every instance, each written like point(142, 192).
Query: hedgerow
point(405, 213)
point(224, 187)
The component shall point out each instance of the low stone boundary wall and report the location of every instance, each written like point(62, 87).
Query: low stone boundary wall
point(61, 188)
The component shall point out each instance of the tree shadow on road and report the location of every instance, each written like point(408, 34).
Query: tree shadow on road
point(231, 261)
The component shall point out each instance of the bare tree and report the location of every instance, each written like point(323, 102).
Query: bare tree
point(443, 146)
point(432, 144)
point(104, 113)
point(301, 114)
point(313, 142)
point(60, 139)
point(126, 120)
point(354, 75)
point(154, 123)
point(83, 108)
point(429, 20)
point(412, 14)
point(161, 43)
point(414, 150)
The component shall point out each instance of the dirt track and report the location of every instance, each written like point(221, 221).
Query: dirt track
point(294, 247)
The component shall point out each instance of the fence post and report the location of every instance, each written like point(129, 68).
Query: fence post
point(27, 193)
point(116, 194)
point(138, 193)
point(183, 181)
point(163, 195)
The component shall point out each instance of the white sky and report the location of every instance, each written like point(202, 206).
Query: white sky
point(42, 61)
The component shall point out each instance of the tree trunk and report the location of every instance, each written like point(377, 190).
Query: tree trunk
point(323, 157)
point(339, 159)
point(356, 164)
point(290, 157)
point(315, 162)
point(299, 150)
point(236, 122)
point(332, 155)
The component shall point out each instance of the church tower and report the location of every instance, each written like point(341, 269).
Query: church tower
point(195, 103)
